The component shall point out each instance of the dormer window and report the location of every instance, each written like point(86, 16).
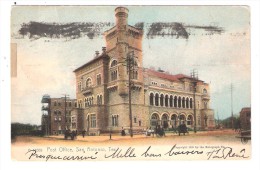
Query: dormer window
point(154, 83)
point(163, 85)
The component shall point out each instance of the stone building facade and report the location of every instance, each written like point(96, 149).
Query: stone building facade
point(54, 118)
point(245, 118)
point(158, 98)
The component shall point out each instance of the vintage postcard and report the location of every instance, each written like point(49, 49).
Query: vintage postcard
point(114, 83)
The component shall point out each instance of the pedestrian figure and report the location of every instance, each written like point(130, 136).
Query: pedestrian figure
point(73, 135)
point(163, 132)
point(76, 134)
point(123, 132)
point(83, 133)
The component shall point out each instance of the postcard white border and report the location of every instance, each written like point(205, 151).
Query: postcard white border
point(5, 149)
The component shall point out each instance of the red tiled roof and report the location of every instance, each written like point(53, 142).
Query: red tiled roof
point(167, 76)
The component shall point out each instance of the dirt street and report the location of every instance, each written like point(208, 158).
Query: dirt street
point(211, 137)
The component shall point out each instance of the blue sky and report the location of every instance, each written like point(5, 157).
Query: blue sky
point(46, 66)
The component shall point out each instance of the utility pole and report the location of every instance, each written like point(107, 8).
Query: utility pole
point(194, 75)
point(194, 96)
point(66, 123)
point(130, 70)
point(232, 118)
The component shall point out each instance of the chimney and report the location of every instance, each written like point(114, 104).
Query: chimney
point(97, 53)
point(103, 50)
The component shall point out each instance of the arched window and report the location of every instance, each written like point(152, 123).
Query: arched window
point(183, 102)
point(154, 119)
point(93, 120)
point(190, 120)
point(166, 101)
point(151, 99)
point(135, 120)
point(191, 103)
point(86, 102)
point(205, 105)
point(179, 102)
point(135, 64)
point(113, 75)
point(80, 104)
point(171, 101)
point(182, 119)
point(205, 91)
point(140, 123)
point(174, 120)
point(114, 63)
point(187, 103)
point(88, 82)
point(165, 121)
point(135, 74)
point(114, 120)
point(99, 99)
point(90, 101)
point(156, 99)
point(161, 99)
point(175, 101)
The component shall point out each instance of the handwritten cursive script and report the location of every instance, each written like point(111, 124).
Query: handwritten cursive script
point(148, 153)
point(35, 155)
point(172, 152)
point(119, 153)
point(226, 152)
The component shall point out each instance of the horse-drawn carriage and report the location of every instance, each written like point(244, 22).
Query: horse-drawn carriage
point(244, 135)
point(70, 134)
point(158, 131)
point(182, 128)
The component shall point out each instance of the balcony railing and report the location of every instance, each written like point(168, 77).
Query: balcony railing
point(205, 97)
point(45, 107)
point(87, 90)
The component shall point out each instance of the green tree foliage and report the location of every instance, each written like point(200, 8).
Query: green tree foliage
point(24, 129)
